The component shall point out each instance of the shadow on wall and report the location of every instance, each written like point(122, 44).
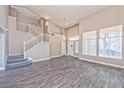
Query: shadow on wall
point(1, 30)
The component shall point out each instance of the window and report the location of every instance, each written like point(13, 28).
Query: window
point(76, 47)
point(89, 43)
point(110, 42)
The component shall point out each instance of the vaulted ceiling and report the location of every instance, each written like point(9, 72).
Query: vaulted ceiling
point(65, 15)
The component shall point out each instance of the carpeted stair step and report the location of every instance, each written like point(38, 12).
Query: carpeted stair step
point(17, 61)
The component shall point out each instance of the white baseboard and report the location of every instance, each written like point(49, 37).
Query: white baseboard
point(73, 56)
point(102, 63)
point(46, 58)
point(56, 56)
point(2, 68)
point(41, 59)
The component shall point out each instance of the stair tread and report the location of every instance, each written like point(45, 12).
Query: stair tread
point(17, 62)
point(17, 65)
point(16, 56)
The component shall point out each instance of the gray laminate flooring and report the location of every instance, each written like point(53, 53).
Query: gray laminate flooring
point(63, 72)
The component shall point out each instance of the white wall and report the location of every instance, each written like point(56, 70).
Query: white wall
point(2, 51)
point(56, 43)
point(3, 36)
point(4, 17)
point(11, 24)
point(56, 46)
point(53, 28)
point(16, 41)
point(39, 52)
point(109, 17)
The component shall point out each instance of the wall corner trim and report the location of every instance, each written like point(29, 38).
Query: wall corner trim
point(102, 63)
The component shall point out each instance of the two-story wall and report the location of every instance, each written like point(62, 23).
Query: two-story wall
point(55, 46)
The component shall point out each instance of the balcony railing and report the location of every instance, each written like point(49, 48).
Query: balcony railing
point(23, 27)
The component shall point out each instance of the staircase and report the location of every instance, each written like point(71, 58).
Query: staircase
point(17, 61)
point(22, 60)
point(34, 28)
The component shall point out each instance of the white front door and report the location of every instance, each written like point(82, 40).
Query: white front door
point(71, 48)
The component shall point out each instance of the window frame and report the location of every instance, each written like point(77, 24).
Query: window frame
point(92, 39)
point(98, 42)
point(109, 57)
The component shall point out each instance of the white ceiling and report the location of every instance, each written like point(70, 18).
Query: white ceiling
point(71, 13)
